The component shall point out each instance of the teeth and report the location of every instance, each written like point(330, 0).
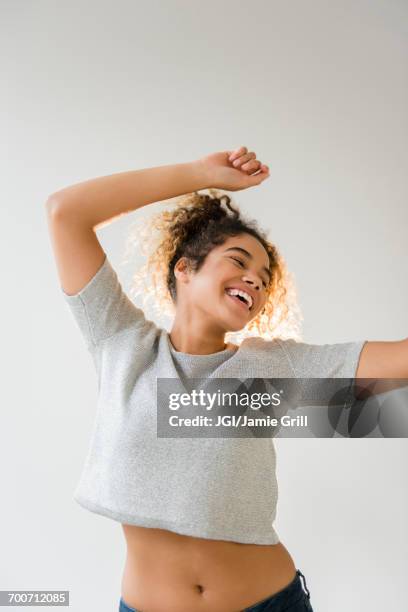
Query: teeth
point(243, 294)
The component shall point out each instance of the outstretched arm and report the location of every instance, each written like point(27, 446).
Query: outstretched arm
point(383, 360)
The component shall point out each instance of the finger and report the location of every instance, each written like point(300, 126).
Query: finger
point(251, 166)
point(237, 153)
point(242, 159)
point(261, 176)
point(264, 168)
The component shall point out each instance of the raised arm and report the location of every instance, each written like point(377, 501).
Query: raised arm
point(76, 211)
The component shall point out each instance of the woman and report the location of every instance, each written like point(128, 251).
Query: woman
point(197, 514)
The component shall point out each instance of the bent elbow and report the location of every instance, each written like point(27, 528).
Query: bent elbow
point(54, 206)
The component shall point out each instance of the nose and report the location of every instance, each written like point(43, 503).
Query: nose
point(253, 281)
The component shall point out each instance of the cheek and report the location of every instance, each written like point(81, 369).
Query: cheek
point(261, 305)
point(203, 288)
point(264, 303)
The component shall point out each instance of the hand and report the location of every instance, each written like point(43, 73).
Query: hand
point(233, 170)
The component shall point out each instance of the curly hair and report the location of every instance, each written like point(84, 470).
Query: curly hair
point(193, 226)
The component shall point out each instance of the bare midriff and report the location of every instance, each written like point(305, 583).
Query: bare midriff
point(169, 572)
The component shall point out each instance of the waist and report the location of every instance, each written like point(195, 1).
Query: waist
point(201, 573)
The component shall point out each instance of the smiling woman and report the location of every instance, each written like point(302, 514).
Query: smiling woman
point(202, 250)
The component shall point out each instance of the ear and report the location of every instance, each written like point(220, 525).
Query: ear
point(182, 270)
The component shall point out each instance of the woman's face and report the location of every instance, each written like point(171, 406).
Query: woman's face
point(239, 266)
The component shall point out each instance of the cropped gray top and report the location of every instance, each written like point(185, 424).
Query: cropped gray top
point(223, 489)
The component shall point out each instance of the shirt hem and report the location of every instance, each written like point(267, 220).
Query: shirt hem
point(177, 527)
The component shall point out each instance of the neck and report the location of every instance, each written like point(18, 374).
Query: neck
point(200, 342)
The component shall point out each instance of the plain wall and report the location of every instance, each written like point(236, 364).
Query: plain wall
point(319, 91)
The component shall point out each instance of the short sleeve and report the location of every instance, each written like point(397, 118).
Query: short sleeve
point(323, 360)
point(339, 360)
point(102, 309)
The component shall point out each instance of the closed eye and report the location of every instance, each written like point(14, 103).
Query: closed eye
point(243, 266)
point(239, 261)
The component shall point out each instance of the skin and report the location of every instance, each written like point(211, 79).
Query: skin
point(169, 572)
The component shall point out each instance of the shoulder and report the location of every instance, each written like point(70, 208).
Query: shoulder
point(309, 360)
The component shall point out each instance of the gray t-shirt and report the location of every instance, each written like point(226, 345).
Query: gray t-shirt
point(222, 489)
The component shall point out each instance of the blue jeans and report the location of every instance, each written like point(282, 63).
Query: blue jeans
point(293, 598)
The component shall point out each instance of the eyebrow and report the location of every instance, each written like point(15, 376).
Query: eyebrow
point(247, 254)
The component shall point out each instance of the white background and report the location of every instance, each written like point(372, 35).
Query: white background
point(319, 90)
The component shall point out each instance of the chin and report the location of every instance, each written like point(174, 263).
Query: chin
point(236, 324)
point(230, 327)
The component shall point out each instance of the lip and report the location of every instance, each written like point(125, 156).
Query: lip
point(238, 302)
point(247, 290)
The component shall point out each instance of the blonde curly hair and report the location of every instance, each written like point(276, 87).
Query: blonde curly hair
point(194, 224)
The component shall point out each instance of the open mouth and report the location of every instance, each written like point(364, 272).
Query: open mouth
point(241, 298)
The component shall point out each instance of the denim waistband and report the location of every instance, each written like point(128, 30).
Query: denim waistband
point(291, 594)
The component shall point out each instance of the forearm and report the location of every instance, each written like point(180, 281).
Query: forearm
point(102, 199)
